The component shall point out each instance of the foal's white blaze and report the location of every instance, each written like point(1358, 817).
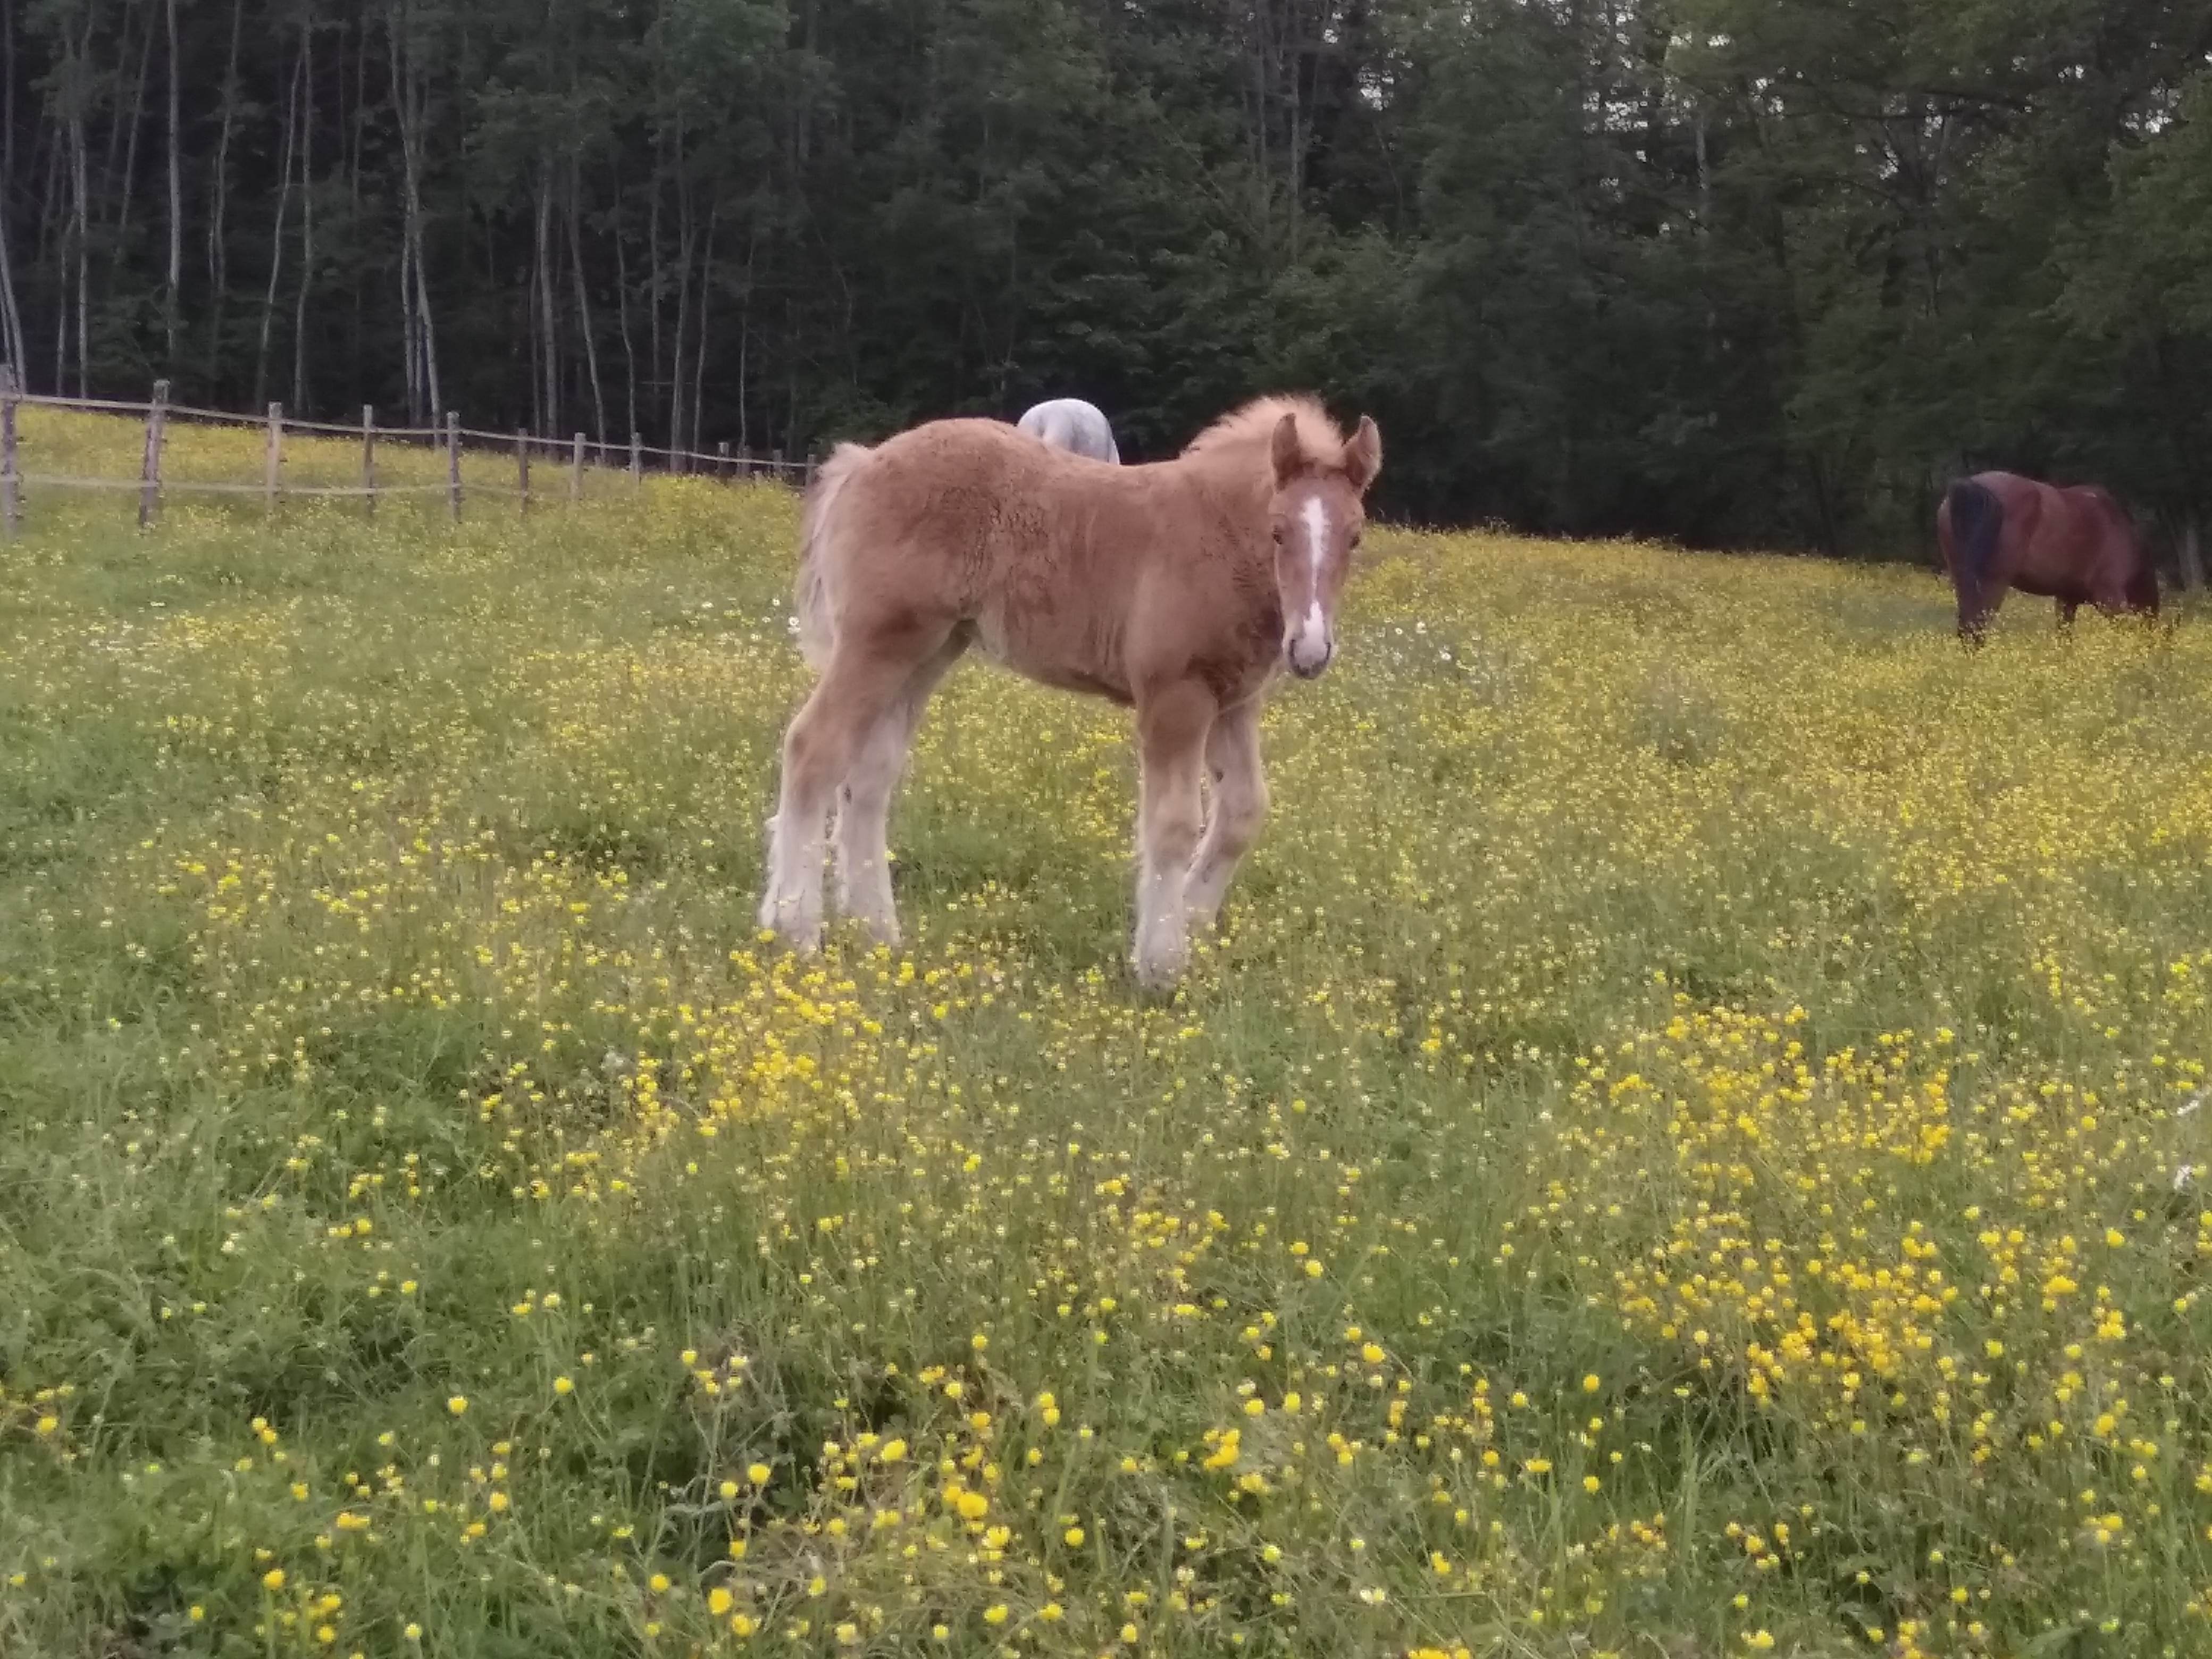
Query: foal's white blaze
point(1309, 645)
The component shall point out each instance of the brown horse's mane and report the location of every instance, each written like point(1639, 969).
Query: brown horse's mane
point(1254, 426)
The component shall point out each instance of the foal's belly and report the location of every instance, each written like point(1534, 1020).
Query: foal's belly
point(1050, 659)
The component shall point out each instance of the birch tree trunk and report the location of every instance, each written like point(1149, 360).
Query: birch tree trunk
point(172, 299)
point(7, 108)
point(307, 212)
point(583, 301)
point(686, 235)
point(622, 319)
point(12, 343)
point(119, 131)
point(276, 236)
point(652, 283)
point(81, 235)
point(699, 354)
point(416, 319)
point(542, 300)
point(218, 248)
point(131, 127)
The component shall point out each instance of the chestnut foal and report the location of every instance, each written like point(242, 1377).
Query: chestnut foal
point(1181, 588)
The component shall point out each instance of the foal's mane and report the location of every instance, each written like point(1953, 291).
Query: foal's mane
point(1253, 426)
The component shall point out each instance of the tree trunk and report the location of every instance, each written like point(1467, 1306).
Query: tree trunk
point(699, 355)
point(13, 348)
point(622, 315)
point(548, 318)
point(118, 130)
point(414, 283)
point(276, 236)
point(8, 109)
point(131, 156)
point(2188, 551)
point(218, 249)
point(12, 343)
point(307, 213)
point(583, 301)
point(171, 298)
point(745, 334)
point(357, 132)
point(653, 284)
point(686, 235)
point(81, 233)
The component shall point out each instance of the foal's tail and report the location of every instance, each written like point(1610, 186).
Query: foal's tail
point(811, 600)
point(1977, 520)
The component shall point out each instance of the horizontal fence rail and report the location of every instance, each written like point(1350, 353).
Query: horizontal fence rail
point(573, 456)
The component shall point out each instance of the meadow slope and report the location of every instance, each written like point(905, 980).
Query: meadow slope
point(1687, 1146)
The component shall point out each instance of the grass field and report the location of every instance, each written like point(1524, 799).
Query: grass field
point(1687, 1146)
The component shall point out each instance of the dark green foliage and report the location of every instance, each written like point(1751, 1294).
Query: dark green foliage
point(1733, 271)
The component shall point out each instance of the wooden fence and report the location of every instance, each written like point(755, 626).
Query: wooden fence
point(571, 458)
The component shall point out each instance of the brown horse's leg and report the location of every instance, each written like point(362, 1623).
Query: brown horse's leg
point(2137, 596)
point(2066, 610)
point(1240, 806)
point(862, 834)
point(864, 677)
point(1171, 732)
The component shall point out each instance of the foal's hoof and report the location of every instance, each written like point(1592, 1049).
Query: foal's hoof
point(1158, 971)
point(798, 931)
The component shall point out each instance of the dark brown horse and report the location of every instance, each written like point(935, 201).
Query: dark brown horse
point(2000, 531)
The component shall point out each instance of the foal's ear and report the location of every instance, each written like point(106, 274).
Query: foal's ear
point(1363, 454)
point(1284, 449)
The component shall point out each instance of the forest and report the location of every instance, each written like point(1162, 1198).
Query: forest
point(1728, 272)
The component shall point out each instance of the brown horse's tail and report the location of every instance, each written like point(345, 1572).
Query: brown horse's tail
point(811, 597)
point(1977, 520)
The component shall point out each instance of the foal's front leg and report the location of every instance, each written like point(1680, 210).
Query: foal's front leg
point(1240, 807)
point(1171, 730)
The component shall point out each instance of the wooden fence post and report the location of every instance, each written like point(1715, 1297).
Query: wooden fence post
point(453, 465)
point(809, 480)
point(368, 456)
point(636, 455)
point(149, 468)
point(722, 458)
point(272, 457)
point(522, 467)
point(576, 470)
point(11, 499)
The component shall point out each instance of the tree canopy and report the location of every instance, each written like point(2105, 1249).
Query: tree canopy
point(1733, 271)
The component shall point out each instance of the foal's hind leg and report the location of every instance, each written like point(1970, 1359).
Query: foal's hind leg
point(1171, 730)
point(863, 677)
point(1240, 807)
point(862, 834)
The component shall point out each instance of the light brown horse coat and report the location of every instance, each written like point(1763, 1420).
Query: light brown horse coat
point(1181, 588)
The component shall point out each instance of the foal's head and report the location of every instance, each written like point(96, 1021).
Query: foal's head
point(1316, 516)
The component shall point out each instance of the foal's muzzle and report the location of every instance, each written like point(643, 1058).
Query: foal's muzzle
point(1308, 656)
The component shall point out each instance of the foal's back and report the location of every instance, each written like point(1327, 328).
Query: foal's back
point(1076, 574)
